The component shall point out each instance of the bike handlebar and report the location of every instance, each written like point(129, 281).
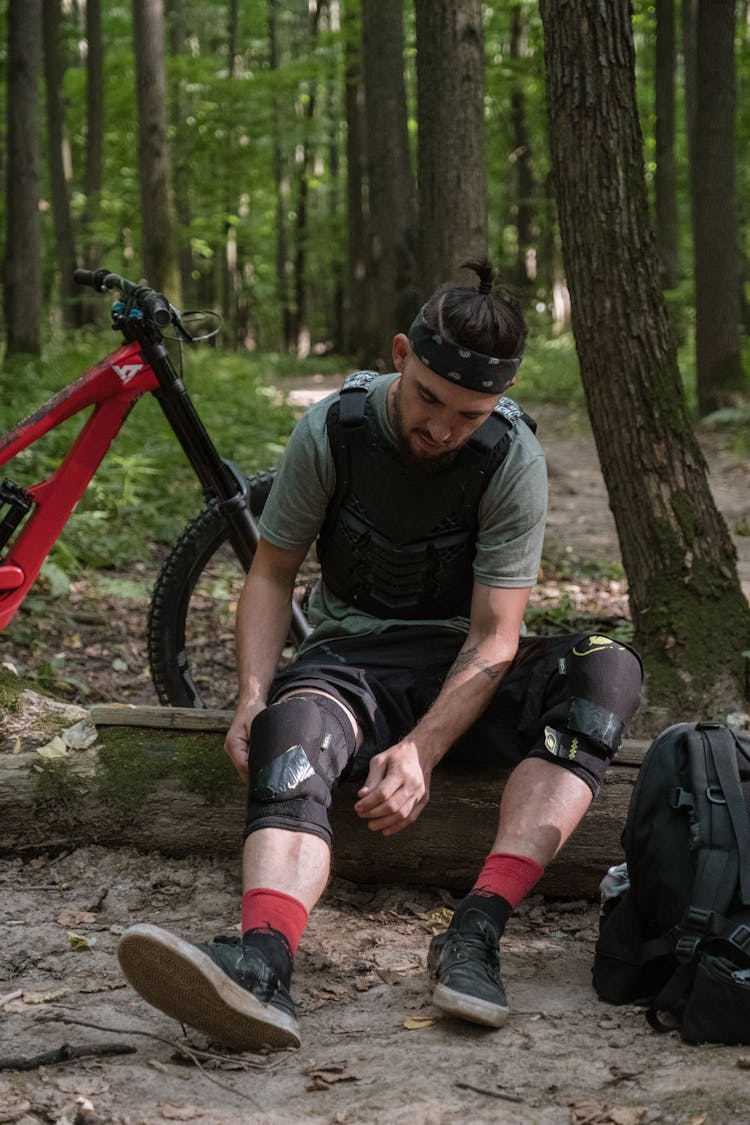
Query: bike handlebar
point(154, 305)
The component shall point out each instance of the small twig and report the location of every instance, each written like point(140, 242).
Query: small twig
point(64, 1054)
point(195, 1054)
point(10, 996)
point(490, 1093)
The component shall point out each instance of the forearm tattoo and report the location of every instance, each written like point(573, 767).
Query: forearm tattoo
point(468, 658)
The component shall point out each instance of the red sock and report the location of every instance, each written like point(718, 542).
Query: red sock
point(510, 876)
point(264, 909)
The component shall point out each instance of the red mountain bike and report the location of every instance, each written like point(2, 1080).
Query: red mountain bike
point(189, 626)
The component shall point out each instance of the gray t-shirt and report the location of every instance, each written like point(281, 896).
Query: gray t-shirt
point(512, 514)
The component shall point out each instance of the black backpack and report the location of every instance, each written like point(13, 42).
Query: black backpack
point(677, 939)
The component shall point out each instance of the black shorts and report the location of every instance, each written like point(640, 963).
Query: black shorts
point(389, 680)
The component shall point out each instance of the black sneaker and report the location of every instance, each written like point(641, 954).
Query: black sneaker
point(226, 990)
point(465, 963)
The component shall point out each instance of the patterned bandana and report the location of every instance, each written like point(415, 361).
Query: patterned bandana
point(473, 370)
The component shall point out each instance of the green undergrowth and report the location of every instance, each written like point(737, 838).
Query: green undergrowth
point(145, 491)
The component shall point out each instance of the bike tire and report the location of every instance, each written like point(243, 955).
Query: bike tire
point(190, 629)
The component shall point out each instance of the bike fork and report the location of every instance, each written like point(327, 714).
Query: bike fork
point(219, 479)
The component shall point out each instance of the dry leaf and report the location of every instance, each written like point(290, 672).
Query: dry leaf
point(627, 1114)
point(415, 1023)
point(54, 749)
point(78, 941)
point(743, 1062)
point(47, 997)
point(181, 1112)
point(69, 918)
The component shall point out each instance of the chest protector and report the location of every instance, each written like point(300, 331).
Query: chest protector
point(396, 542)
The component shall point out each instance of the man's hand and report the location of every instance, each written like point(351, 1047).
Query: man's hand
point(396, 790)
point(237, 741)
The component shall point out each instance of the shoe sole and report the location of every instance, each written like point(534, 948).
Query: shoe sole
point(469, 1008)
point(184, 983)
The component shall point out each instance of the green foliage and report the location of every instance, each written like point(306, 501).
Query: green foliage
point(145, 490)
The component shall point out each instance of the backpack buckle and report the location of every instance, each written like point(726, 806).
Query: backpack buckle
point(740, 937)
point(681, 799)
point(686, 948)
point(700, 921)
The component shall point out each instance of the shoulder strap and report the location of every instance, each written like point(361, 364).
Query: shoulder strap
point(721, 750)
point(353, 395)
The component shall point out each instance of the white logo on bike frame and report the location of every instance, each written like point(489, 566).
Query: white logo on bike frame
point(128, 372)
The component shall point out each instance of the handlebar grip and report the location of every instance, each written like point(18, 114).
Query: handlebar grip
point(94, 278)
point(158, 309)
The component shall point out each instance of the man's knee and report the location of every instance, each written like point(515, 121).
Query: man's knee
point(584, 731)
point(299, 748)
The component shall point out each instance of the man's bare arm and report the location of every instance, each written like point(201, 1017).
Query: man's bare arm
point(397, 786)
point(263, 616)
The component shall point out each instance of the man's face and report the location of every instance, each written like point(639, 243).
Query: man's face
point(431, 417)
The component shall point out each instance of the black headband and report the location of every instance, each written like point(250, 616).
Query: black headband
point(473, 370)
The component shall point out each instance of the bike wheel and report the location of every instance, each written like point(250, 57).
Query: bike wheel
point(190, 629)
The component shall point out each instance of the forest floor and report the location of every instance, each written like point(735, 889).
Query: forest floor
point(373, 1049)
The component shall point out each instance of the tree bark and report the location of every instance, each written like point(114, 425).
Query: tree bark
point(172, 789)
point(356, 163)
point(451, 165)
point(721, 379)
point(159, 249)
point(281, 189)
point(692, 622)
point(523, 203)
point(22, 272)
point(390, 183)
point(91, 250)
point(665, 180)
point(54, 74)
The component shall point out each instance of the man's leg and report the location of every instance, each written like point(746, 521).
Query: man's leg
point(237, 990)
point(582, 714)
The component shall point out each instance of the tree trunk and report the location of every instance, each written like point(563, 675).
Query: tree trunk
point(356, 162)
point(667, 229)
point(720, 377)
point(176, 45)
point(22, 272)
point(165, 786)
point(91, 251)
point(54, 73)
point(281, 189)
point(451, 167)
point(523, 204)
point(691, 619)
point(159, 249)
point(390, 184)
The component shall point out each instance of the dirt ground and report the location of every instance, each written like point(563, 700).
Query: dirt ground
point(374, 1049)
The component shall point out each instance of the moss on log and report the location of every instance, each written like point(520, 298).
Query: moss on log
point(160, 787)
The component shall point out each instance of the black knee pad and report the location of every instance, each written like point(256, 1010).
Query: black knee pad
point(583, 732)
point(299, 748)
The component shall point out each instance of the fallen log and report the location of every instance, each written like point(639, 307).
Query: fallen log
point(154, 781)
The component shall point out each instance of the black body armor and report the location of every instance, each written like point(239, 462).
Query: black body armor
point(398, 543)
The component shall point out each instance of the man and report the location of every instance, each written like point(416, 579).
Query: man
point(426, 494)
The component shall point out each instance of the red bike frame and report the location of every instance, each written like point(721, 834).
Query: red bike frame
point(112, 388)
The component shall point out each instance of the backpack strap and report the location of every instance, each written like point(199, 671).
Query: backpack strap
point(721, 749)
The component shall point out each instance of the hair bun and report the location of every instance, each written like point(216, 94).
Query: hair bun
point(485, 285)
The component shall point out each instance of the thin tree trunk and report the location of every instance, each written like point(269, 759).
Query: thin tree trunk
point(281, 185)
point(523, 205)
point(451, 168)
point(159, 249)
point(720, 377)
point(389, 302)
point(91, 250)
point(22, 271)
point(356, 163)
point(667, 229)
point(691, 619)
point(176, 43)
point(54, 73)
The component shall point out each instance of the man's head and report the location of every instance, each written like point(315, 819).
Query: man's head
point(462, 352)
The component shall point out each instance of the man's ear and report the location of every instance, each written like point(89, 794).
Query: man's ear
point(401, 349)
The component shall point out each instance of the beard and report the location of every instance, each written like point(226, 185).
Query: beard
point(428, 464)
